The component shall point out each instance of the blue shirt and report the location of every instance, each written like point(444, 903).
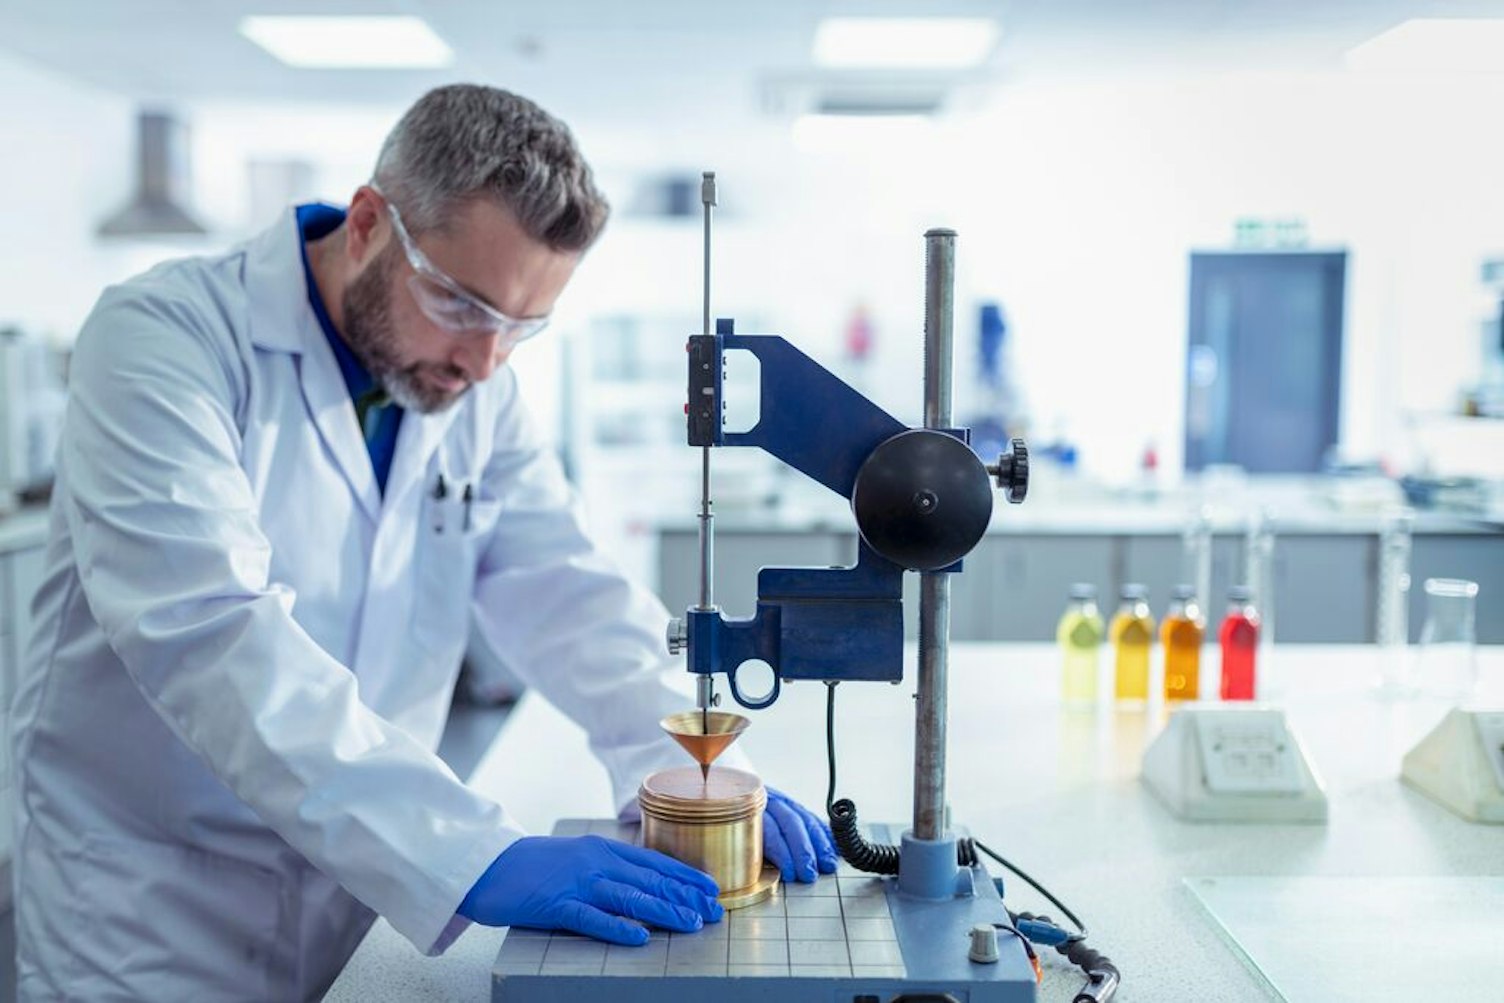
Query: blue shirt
point(381, 423)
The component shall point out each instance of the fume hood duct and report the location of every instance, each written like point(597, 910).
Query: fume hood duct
point(157, 209)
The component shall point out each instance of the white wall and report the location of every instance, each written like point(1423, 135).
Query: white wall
point(1077, 207)
point(69, 163)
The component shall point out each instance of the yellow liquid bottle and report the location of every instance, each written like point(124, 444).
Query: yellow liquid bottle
point(1132, 635)
point(1079, 635)
point(1182, 633)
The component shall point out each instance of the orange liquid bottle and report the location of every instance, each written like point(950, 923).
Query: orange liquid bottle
point(1182, 633)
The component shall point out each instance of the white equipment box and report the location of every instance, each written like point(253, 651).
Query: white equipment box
point(1220, 763)
point(1460, 764)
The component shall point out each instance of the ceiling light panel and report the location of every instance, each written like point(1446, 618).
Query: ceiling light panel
point(350, 43)
point(905, 43)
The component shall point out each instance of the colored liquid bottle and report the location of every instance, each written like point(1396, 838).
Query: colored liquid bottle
point(1079, 635)
point(1182, 633)
point(1240, 642)
point(1132, 635)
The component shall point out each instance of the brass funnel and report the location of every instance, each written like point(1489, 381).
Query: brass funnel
point(704, 735)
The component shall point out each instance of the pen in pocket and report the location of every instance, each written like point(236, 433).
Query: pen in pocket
point(440, 492)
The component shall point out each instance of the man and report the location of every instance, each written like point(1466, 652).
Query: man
point(287, 476)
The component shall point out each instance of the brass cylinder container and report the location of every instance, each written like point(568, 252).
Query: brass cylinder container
point(713, 824)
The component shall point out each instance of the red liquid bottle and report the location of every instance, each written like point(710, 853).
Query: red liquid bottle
point(1240, 640)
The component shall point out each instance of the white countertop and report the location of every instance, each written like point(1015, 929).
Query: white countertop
point(1056, 791)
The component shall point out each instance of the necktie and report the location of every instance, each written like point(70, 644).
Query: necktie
point(370, 407)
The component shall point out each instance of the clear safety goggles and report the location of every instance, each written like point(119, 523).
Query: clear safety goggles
point(450, 305)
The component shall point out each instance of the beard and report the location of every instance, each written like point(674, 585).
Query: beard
point(372, 336)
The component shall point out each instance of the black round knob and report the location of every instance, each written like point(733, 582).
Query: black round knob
point(922, 499)
point(1012, 472)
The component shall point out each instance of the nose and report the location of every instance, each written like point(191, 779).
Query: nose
point(478, 358)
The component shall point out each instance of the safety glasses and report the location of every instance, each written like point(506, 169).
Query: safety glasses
point(450, 305)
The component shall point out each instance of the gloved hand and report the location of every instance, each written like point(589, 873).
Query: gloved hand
point(795, 840)
point(587, 884)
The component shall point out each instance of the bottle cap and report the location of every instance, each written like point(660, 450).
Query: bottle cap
point(1135, 591)
point(1239, 593)
point(1083, 592)
point(1184, 593)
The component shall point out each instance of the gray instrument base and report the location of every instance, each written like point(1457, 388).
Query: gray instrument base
point(847, 938)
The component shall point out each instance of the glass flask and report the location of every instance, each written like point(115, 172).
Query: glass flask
point(1447, 662)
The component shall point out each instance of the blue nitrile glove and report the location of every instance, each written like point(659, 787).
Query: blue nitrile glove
point(795, 840)
point(587, 884)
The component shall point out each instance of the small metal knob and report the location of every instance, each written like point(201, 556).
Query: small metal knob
point(983, 944)
point(678, 635)
point(1012, 472)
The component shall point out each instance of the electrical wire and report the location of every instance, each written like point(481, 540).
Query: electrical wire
point(1041, 889)
point(1102, 975)
point(830, 742)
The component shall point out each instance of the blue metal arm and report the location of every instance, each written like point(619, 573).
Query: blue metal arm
point(810, 623)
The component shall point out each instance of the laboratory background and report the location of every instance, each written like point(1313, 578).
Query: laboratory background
point(1228, 279)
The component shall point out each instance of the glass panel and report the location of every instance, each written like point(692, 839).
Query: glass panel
point(1314, 940)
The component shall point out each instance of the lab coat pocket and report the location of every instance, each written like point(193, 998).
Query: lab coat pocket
point(449, 544)
point(162, 921)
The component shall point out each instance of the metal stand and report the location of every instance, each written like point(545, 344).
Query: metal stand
point(853, 936)
point(927, 864)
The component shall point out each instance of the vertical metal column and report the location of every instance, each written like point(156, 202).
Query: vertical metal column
point(934, 587)
point(704, 683)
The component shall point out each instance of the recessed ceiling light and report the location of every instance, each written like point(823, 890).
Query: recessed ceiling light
point(905, 43)
point(349, 43)
point(1465, 45)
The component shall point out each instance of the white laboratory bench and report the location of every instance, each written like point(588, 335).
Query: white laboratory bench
point(1056, 791)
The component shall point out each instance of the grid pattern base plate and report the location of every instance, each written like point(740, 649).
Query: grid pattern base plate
point(842, 937)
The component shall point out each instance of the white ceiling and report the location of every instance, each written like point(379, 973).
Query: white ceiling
point(656, 59)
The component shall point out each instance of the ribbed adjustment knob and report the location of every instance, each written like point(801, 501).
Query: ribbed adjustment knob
point(1012, 472)
point(983, 944)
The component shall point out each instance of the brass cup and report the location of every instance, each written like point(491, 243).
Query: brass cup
point(713, 824)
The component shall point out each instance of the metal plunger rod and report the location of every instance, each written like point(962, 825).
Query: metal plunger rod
point(707, 526)
point(705, 684)
point(934, 587)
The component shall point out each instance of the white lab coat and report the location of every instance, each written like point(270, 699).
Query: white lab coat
point(244, 654)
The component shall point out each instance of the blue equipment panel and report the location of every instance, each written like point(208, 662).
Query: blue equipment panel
point(847, 936)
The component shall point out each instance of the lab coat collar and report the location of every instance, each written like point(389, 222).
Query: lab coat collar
point(280, 317)
point(282, 320)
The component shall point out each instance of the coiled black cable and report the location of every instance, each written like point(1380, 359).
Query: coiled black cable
point(855, 849)
point(877, 858)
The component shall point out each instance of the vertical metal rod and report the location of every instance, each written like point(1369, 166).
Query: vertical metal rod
point(707, 517)
point(934, 587)
point(705, 683)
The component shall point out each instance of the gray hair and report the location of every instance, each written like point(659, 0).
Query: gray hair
point(465, 141)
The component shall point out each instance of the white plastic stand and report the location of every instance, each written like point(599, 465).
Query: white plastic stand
point(1224, 763)
point(1460, 764)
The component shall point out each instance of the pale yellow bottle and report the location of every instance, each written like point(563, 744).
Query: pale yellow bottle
point(1079, 635)
point(1132, 636)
